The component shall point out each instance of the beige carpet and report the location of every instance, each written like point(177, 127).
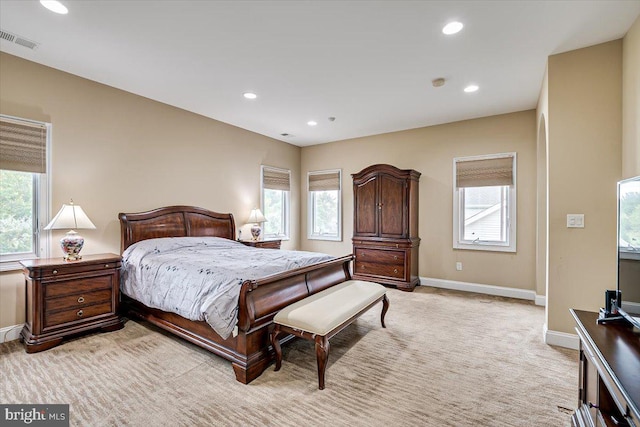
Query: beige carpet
point(446, 359)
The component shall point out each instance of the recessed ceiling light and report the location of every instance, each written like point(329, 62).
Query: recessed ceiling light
point(55, 6)
point(250, 95)
point(312, 123)
point(452, 28)
point(471, 88)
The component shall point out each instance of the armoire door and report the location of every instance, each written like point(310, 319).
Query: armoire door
point(392, 203)
point(365, 199)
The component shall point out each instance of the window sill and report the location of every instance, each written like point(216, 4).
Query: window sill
point(328, 239)
point(484, 247)
point(10, 266)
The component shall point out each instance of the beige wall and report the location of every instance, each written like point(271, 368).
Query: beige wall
point(584, 152)
point(117, 152)
point(631, 102)
point(431, 151)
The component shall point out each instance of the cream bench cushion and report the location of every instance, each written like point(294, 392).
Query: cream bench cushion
point(323, 312)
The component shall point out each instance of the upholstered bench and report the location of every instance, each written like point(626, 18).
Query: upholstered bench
point(321, 316)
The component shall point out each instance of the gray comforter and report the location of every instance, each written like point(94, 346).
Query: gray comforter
point(199, 277)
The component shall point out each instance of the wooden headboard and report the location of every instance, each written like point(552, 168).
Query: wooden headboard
point(174, 221)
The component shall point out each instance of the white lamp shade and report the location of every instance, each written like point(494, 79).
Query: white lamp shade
point(70, 217)
point(256, 216)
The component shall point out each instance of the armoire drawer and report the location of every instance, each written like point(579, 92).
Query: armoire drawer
point(377, 269)
point(380, 256)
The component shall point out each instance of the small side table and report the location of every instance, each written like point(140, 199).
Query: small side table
point(264, 244)
point(68, 297)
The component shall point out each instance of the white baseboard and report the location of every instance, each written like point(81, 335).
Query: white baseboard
point(485, 289)
point(561, 339)
point(10, 333)
point(541, 300)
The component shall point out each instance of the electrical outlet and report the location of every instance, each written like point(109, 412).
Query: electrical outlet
point(459, 266)
point(575, 220)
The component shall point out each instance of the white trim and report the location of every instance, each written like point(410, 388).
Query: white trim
point(541, 300)
point(287, 208)
point(479, 288)
point(561, 339)
point(310, 211)
point(42, 206)
point(10, 333)
point(458, 241)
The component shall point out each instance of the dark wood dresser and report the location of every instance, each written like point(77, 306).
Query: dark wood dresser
point(609, 377)
point(68, 297)
point(385, 226)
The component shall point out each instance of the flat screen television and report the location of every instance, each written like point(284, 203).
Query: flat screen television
point(628, 297)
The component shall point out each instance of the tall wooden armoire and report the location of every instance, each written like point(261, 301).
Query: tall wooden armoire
point(385, 226)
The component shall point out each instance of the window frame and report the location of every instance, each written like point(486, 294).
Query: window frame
point(286, 214)
point(41, 207)
point(458, 206)
point(311, 208)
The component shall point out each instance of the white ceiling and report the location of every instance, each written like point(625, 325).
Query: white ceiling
point(369, 64)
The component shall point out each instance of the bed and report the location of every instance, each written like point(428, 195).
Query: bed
point(259, 300)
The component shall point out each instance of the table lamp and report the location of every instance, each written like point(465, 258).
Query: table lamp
point(256, 218)
point(71, 217)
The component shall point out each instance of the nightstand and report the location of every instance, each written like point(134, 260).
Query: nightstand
point(69, 297)
point(264, 244)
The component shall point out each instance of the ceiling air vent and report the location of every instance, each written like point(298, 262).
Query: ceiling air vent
point(13, 38)
point(7, 36)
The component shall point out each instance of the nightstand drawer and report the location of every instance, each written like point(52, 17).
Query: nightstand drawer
point(375, 269)
point(70, 268)
point(74, 286)
point(77, 301)
point(66, 316)
point(380, 256)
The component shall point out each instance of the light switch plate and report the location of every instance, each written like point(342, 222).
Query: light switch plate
point(575, 220)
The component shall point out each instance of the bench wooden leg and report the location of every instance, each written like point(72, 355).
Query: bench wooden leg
point(385, 307)
point(322, 354)
point(275, 343)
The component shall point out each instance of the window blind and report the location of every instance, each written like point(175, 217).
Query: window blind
point(275, 179)
point(23, 146)
point(324, 181)
point(484, 172)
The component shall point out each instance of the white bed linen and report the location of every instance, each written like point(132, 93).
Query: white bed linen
point(199, 277)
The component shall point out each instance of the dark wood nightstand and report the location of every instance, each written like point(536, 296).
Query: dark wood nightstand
point(264, 244)
point(69, 297)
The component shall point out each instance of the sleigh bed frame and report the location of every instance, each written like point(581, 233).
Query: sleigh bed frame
point(249, 351)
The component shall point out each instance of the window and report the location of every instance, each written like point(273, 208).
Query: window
point(324, 212)
point(276, 186)
point(24, 190)
point(484, 203)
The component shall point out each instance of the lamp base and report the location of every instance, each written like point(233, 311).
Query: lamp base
point(71, 245)
point(255, 231)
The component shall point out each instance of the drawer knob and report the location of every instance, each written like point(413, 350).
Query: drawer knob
point(106, 266)
point(395, 257)
point(55, 271)
point(395, 270)
point(80, 313)
point(81, 300)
